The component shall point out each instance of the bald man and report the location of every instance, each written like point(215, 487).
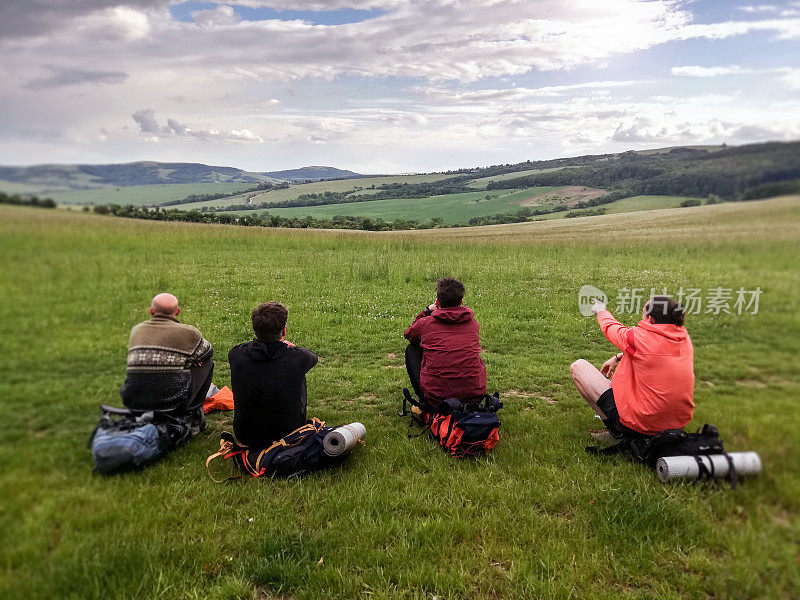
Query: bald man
point(169, 365)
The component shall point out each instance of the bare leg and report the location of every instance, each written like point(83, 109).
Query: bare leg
point(590, 383)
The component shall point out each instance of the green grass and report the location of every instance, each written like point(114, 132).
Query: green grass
point(452, 208)
point(481, 182)
point(459, 208)
point(144, 194)
point(714, 148)
point(537, 518)
point(13, 187)
point(632, 204)
point(637, 203)
point(317, 187)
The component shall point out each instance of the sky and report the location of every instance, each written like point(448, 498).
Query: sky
point(390, 86)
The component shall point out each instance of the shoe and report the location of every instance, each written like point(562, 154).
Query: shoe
point(603, 435)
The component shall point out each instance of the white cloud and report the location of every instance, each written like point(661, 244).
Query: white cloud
point(120, 24)
point(36, 17)
point(146, 119)
point(791, 78)
point(60, 77)
point(377, 90)
point(761, 8)
point(221, 15)
point(792, 9)
point(513, 94)
point(696, 71)
point(313, 5)
point(435, 40)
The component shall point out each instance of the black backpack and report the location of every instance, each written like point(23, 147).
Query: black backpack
point(677, 442)
point(299, 452)
point(672, 442)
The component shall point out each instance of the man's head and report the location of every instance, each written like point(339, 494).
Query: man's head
point(449, 292)
point(165, 305)
point(663, 310)
point(269, 321)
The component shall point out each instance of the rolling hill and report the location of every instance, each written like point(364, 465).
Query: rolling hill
point(65, 177)
point(311, 174)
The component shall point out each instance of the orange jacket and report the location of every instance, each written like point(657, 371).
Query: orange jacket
point(654, 382)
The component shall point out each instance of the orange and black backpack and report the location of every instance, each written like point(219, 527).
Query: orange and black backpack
point(461, 429)
point(298, 452)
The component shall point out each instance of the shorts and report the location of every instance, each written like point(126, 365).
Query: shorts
point(606, 403)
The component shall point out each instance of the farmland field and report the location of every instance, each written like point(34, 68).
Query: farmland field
point(144, 194)
point(452, 208)
point(537, 518)
point(624, 205)
point(458, 208)
point(480, 183)
point(317, 187)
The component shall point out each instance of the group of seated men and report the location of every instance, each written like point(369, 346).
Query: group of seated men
point(645, 388)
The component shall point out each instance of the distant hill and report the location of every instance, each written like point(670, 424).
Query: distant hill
point(50, 178)
point(312, 174)
point(73, 177)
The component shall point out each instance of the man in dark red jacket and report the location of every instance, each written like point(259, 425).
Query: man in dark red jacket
point(443, 359)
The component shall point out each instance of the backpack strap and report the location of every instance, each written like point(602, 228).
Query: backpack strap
point(226, 449)
point(733, 476)
point(618, 448)
point(407, 399)
point(706, 472)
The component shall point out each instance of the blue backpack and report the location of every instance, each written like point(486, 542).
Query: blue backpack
point(126, 439)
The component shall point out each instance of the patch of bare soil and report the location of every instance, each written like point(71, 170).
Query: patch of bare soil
point(751, 383)
point(569, 195)
point(527, 396)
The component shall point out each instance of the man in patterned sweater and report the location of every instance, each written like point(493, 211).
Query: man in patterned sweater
point(169, 365)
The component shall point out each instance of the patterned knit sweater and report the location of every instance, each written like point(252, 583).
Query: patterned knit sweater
point(160, 353)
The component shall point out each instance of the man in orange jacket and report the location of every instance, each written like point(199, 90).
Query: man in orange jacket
point(652, 377)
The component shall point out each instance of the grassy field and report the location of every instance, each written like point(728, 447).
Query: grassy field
point(452, 208)
point(144, 194)
point(459, 208)
point(481, 182)
point(12, 187)
point(538, 518)
point(632, 204)
point(317, 187)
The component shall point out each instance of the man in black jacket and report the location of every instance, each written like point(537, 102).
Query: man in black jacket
point(268, 379)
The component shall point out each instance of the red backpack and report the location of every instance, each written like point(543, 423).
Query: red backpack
point(461, 429)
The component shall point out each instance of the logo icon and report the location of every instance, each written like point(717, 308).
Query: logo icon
point(585, 295)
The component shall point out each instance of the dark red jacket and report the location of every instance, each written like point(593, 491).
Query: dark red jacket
point(451, 360)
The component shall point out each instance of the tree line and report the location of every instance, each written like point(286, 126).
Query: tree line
point(261, 187)
point(26, 200)
point(387, 191)
point(729, 173)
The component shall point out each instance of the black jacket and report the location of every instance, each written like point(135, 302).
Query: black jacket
point(269, 390)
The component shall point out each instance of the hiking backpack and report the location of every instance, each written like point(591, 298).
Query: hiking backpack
point(674, 442)
point(296, 453)
point(461, 429)
point(125, 439)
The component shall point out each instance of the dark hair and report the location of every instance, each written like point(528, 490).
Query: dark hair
point(665, 311)
point(269, 319)
point(449, 291)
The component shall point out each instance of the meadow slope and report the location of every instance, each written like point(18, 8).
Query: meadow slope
point(537, 518)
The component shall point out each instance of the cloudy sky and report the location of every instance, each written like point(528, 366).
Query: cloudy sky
point(387, 86)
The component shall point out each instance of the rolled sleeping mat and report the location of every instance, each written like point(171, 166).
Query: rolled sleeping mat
point(686, 467)
point(342, 439)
